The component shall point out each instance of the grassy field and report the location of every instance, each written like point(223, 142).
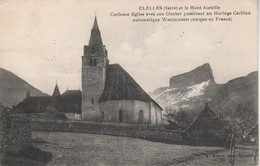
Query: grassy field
point(89, 149)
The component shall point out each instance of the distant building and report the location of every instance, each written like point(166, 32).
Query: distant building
point(56, 91)
point(74, 98)
point(207, 129)
point(68, 104)
point(109, 93)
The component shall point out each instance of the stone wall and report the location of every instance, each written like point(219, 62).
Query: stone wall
point(15, 133)
point(154, 133)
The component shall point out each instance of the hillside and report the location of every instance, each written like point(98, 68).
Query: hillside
point(243, 90)
point(13, 89)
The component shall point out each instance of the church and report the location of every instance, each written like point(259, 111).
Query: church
point(109, 93)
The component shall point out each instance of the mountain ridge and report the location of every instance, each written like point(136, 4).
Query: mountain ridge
point(13, 88)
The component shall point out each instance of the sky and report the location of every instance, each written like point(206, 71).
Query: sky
point(42, 41)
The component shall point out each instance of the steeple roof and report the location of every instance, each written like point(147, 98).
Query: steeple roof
point(56, 91)
point(95, 40)
point(95, 25)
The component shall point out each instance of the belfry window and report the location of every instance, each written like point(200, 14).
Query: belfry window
point(92, 101)
point(91, 62)
point(93, 49)
point(120, 116)
point(95, 62)
point(102, 116)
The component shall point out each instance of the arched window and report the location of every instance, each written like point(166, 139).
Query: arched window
point(120, 116)
point(92, 100)
point(91, 62)
point(95, 62)
point(141, 116)
point(102, 116)
point(93, 49)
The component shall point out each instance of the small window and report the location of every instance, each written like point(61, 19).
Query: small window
point(102, 116)
point(93, 49)
point(141, 116)
point(91, 62)
point(120, 116)
point(95, 62)
point(92, 100)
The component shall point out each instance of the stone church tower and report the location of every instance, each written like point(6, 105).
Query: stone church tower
point(94, 64)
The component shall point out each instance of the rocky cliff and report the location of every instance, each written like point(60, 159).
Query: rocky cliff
point(200, 74)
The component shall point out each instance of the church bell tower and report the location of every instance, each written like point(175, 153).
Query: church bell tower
point(94, 62)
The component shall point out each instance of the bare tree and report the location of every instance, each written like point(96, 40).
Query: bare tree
point(241, 118)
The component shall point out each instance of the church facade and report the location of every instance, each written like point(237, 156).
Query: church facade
point(109, 93)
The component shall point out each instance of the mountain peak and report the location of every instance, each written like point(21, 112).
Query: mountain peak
point(198, 75)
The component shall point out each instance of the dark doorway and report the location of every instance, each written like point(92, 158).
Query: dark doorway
point(120, 116)
point(141, 116)
point(102, 116)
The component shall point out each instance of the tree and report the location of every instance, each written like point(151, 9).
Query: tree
point(241, 119)
point(181, 117)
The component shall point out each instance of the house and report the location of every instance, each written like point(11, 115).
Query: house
point(73, 110)
point(109, 93)
point(57, 107)
point(207, 129)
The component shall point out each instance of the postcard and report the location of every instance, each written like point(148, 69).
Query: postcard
point(129, 82)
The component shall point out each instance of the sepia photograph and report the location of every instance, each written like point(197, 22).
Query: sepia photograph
point(172, 83)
